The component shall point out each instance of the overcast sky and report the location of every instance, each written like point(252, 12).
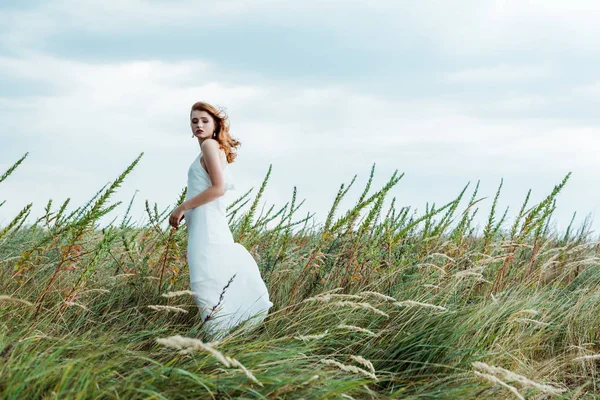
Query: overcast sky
point(447, 92)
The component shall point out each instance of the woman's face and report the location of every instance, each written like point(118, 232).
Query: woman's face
point(202, 124)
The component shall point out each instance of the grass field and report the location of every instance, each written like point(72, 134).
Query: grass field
point(373, 304)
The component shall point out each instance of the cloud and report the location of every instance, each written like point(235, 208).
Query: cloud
point(446, 94)
point(463, 27)
point(545, 27)
point(104, 115)
point(502, 73)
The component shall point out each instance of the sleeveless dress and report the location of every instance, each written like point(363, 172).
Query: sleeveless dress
point(214, 258)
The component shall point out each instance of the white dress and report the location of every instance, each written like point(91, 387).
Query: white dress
point(214, 258)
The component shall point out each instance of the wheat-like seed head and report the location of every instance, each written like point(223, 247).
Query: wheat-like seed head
point(72, 303)
point(309, 337)
point(378, 295)
point(357, 329)
point(168, 308)
point(468, 272)
point(365, 306)
point(249, 374)
point(416, 303)
point(495, 380)
point(350, 368)
point(122, 275)
point(345, 296)
point(179, 293)
point(511, 376)
point(14, 300)
point(364, 362)
point(588, 357)
point(185, 343)
point(329, 297)
point(575, 248)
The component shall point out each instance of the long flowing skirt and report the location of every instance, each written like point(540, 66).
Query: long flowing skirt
point(223, 273)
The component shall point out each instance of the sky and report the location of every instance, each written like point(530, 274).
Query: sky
point(447, 92)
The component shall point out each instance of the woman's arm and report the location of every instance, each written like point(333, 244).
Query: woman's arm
point(210, 150)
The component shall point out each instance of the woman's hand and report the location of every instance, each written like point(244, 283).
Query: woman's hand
point(176, 217)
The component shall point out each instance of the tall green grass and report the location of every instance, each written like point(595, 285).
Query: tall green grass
point(375, 303)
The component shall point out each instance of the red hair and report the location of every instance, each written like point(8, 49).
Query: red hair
point(226, 141)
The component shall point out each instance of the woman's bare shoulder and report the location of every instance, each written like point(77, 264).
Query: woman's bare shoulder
point(213, 148)
point(210, 143)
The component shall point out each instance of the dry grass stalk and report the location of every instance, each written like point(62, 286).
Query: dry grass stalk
point(378, 295)
point(310, 380)
point(179, 293)
point(495, 380)
point(515, 244)
point(429, 285)
point(365, 306)
point(580, 347)
point(346, 296)
point(14, 300)
point(40, 335)
point(72, 303)
point(364, 362)
point(329, 297)
point(529, 311)
point(309, 337)
point(371, 393)
point(185, 343)
point(533, 321)
point(465, 273)
point(579, 263)
point(511, 376)
point(249, 374)
point(434, 266)
point(470, 271)
point(443, 256)
point(168, 308)
point(346, 396)
point(123, 275)
point(416, 303)
point(96, 290)
point(478, 268)
point(493, 259)
point(332, 291)
point(357, 329)
point(350, 368)
point(574, 249)
point(588, 357)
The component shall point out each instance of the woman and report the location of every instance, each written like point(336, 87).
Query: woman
point(217, 264)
